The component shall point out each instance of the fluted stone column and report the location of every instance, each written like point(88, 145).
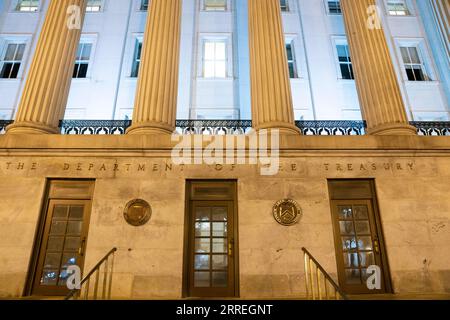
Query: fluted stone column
point(46, 90)
point(379, 92)
point(156, 98)
point(272, 105)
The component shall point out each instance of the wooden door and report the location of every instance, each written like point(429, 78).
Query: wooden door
point(357, 240)
point(62, 245)
point(212, 249)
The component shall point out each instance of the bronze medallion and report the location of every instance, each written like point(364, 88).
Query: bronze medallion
point(287, 212)
point(137, 212)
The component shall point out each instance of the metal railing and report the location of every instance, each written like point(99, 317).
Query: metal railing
point(432, 128)
point(102, 281)
point(237, 127)
point(4, 124)
point(319, 284)
point(94, 127)
point(332, 127)
point(213, 127)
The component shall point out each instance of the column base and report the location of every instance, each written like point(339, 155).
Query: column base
point(145, 128)
point(30, 128)
point(283, 127)
point(393, 129)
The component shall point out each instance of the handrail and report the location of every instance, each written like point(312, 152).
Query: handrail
point(317, 283)
point(106, 282)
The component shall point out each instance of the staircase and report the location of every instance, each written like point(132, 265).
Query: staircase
point(319, 284)
point(97, 284)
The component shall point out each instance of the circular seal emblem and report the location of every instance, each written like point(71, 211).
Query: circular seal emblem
point(137, 212)
point(287, 212)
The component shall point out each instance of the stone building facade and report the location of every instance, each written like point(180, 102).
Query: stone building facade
point(220, 229)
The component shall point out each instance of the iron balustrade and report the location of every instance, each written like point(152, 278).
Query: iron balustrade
point(94, 127)
point(213, 127)
point(332, 127)
point(236, 127)
point(432, 128)
point(319, 284)
point(4, 124)
point(105, 283)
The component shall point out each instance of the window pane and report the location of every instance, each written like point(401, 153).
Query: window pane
point(345, 71)
point(49, 277)
point(219, 214)
point(219, 229)
point(418, 73)
point(202, 245)
point(202, 279)
point(365, 243)
point(20, 51)
point(55, 243)
point(202, 229)
point(353, 276)
point(52, 260)
point(6, 70)
point(220, 262)
point(215, 5)
point(220, 51)
point(58, 228)
point(202, 214)
point(202, 262)
point(220, 279)
point(219, 245)
point(15, 70)
point(74, 227)
point(209, 51)
point(10, 52)
point(414, 55)
point(209, 69)
point(289, 52)
point(86, 54)
point(82, 72)
point(351, 259)
point(72, 243)
point(221, 71)
point(405, 55)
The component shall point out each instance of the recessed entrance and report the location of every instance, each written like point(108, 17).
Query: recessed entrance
point(63, 235)
point(211, 240)
point(358, 235)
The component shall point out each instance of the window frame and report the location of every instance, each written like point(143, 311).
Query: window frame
point(287, 6)
point(327, 8)
point(227, 39)
point(228, 7)
point(409, 7)
point(91, 39)
point(339, 41)
point(5, 40)
point(291, 40)
point(102, 8)
point(138, 39)
point(139, 5)
point(424, 56)
point(15, 5)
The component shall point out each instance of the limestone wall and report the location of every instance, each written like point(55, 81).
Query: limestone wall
point(413, 192)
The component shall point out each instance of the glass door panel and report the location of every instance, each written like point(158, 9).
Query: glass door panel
point(212, 249)
point(357, 242)
point(62, 245)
